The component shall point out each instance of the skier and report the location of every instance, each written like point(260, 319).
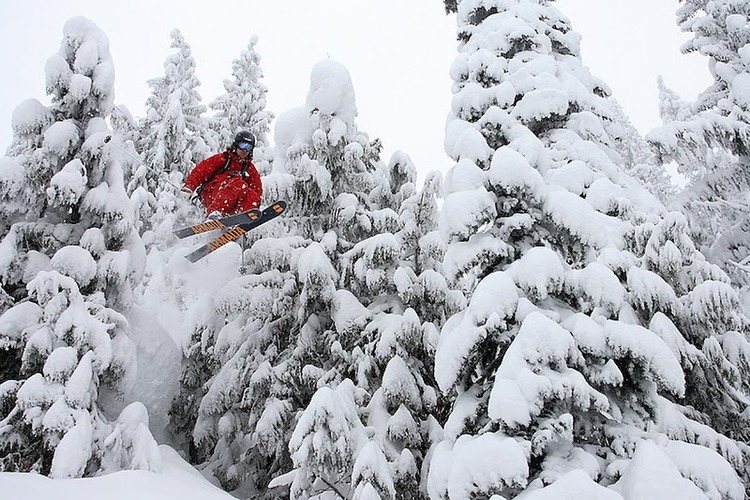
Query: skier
point(227, 183)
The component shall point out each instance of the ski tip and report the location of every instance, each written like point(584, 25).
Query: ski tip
point(278, 206)
point(195, 256)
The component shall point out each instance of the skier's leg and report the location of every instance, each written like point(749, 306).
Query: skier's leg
point(207, 199)
point(247, 199)
point(226, 198)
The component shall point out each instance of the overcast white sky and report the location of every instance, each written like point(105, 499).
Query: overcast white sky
point(398, 53)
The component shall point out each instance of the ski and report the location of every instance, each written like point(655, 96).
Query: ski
point(222, 223)
point(237, 231)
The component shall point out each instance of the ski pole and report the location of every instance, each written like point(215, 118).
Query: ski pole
point(109, 138)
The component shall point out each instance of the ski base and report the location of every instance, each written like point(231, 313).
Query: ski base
point(235, 232)
point(222, 223)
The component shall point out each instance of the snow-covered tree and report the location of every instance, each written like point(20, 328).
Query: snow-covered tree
point(73, 348)
point(125, 134)
point(709, 140)
point(174, 134)
point(319, 337)
point(261, 317)
point(243, 106)
point(170, 140)
point(638, 160)
point(69, 259)
point(672, 107)
point(325, 440)
point(68, 186)
point(594, 330)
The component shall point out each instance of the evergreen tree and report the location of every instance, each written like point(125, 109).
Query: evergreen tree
point(318, 338)
point(174, 135)
point(266, 378)
point(594, 328)
point(709, 140)
point(70, 258)
point(671, 106)
point(638, 160)
point(169, 141)
point(243, 106)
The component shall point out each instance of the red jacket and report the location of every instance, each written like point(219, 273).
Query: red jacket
point(229, 184)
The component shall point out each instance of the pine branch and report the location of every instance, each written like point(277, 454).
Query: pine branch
point(740, 266)
point(330, 485)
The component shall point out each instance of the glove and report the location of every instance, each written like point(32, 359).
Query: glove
point(186, 193)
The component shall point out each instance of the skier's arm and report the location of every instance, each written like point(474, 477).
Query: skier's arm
point(203, 171)
point(186, 193)
point(254, 183)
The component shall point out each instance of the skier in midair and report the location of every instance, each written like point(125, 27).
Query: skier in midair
point(227, 183)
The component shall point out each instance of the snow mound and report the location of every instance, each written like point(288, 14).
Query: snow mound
point(177, 480)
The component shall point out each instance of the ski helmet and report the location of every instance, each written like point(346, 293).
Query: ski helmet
point(244, 137)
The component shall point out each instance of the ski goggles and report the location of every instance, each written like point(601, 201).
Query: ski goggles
point(246, 146)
